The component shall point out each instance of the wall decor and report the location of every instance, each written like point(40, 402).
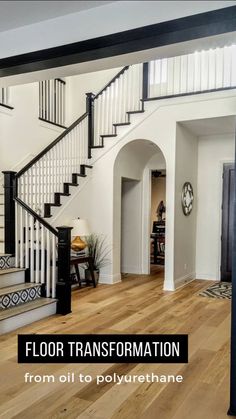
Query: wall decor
point(187, 198)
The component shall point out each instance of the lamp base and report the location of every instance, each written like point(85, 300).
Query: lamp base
point(77, 244)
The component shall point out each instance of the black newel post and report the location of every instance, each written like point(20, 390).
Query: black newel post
point(9, 211)
point(90, 111)
point(232, 406)
point(63, 288)
point(145, 80)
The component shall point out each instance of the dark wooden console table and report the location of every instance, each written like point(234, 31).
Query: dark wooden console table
point(76, 260)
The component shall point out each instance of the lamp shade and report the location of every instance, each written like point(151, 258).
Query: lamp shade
point(80, 227)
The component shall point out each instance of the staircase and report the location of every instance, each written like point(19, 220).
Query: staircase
point(21, 303)
point(36, 282)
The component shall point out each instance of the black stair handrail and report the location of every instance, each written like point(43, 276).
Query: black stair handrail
point(67, 130)
point(112, 81)
point(36, 216)
point(50, 146)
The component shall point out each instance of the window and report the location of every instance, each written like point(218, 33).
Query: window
point(52, 101)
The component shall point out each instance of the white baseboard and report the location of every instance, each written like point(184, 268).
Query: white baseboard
point(184, 280)
point(207, 277)
point(131, 270)
point(109, 279)
point(168, 286)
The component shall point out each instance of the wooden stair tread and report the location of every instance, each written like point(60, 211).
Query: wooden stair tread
point(5, 254)
point(11, 270)
point(20, 287)
point(23, 308)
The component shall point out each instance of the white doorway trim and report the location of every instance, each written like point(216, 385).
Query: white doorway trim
point(146, 223)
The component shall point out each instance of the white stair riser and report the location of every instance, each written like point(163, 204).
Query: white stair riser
point(26, 318)
point(1, 233)
point(1, 199)
point(14, 278)
point(2, 248)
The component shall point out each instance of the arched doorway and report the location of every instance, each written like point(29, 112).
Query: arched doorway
point(133, 218)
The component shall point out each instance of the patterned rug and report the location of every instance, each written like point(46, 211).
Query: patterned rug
point(218, 290)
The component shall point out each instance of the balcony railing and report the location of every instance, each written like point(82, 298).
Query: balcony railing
point(201, 71)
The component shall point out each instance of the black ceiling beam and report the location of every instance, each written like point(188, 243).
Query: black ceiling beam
point(178, 30)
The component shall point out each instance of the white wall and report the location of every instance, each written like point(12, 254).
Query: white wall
point(185, 226)
point(22, 135)
point(98, 199)
point(213, 151)
point(131, 226)
point(78, 86)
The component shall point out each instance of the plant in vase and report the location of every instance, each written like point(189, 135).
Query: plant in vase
point(98, 251)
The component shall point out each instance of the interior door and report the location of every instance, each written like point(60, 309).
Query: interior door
point(227, 222)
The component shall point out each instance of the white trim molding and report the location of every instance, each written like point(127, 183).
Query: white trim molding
point(184, 280)
point(109, 279)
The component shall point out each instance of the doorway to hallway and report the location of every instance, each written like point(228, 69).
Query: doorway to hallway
point(158, 217)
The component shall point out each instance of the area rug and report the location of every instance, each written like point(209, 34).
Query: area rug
point(218, 290)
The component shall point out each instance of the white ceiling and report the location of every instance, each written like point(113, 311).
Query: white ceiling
point(211, 126)
point(14, 14)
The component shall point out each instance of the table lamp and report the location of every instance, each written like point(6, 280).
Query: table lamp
point(80, 228)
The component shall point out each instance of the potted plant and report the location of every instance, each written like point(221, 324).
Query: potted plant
point(98, 251)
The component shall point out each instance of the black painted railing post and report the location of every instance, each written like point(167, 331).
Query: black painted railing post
point(9, 211)
point(232, 403)
point(145, 80)
point(63, 287)
point(90, 111)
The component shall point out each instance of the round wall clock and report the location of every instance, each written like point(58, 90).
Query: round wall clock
point(187, 198)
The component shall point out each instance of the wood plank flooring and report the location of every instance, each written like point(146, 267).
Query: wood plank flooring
point(137, 305)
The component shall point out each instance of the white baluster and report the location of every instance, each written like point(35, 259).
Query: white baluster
point(197, 72)
point(190, 83)
point(204, 70)
point(128, 90)
point(32, 273)
point(212, 69)
point(233, 66)
point(21, 238)
point(17, 256)
point(170, 76)
point(227, 67)
point(42, 279)
point(125, 98)
point(48, 282)
point(37, 250)
point(119, 98)
point(53, 266)
point(26, 240)
point(141, 85)
point(40, 99)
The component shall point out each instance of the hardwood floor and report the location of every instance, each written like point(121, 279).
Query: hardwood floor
point(137, 305)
